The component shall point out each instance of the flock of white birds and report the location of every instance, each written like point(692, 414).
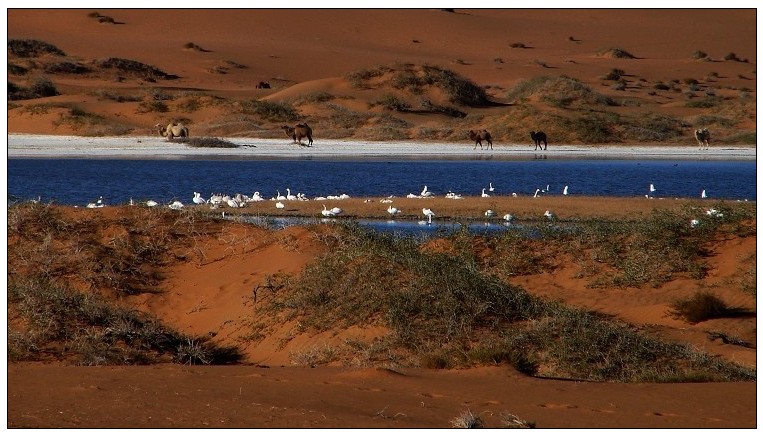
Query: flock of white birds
point(239, 201)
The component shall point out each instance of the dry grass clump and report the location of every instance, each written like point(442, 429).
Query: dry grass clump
point(27, 48)
point(274, 111)
point(616, 52)
point(467, 420)
point(561, 91)
point(133, 68)
point(448, 309)
point(206, 142)
point(703, 306)
point(39, 87)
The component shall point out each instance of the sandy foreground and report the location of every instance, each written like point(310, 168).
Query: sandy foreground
point(39, 146)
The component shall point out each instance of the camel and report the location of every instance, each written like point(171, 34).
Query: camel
point(479, 136)
point(172, 130)
point(539, 137)
point(298, 132)
point(703, 137)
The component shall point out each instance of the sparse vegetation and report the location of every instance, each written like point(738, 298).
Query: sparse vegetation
point(206, 142)
point(32, 48)
point(275, 111)
point(130, 67)
point(467, 420)
point(39, 87)
point(617, 52)
point(701, 307)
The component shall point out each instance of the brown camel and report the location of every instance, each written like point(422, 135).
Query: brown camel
point(539, 137)
point(703, 137)
point(479, 136)
point(298, 132)
point(172, 130)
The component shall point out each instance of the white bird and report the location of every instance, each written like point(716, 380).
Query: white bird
point(428, 213)
point(492, 189)
point(151, 203)
point(565, 192)
point(411, 195)
point(703, 194)
point(256, 197)
point(536, 193)
point(651, 188)
point(280, 197)
point(484, 195)
point(549, 215)
point(694, 223)
point(132, 202)
point(98, 204)
point(289, 196)
point(176, 205)
point(326, 212)
point(714, 213)
point(489, 213)
point(280, 205)
point(513, 194)
point(233, 203)
point(508, 218)
point(197, 199)
point(393, 210)
point(336, 210)
point(426, 193)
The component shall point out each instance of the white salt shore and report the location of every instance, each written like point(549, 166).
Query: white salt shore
point(53, 146)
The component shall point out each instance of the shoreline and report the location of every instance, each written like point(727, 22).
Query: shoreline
point(153, 147)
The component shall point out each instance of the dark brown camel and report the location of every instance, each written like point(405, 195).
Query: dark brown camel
point(539, 137)
point(479, 136)
point(298, 132)
point(703, 137)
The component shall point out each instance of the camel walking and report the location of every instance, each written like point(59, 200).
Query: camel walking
point(479, 136)
point(298, 132)
point(703, 138)
point(539, 137)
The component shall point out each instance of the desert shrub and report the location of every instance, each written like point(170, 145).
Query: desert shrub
point(467, 420)
point(128, 66)
point(614, 74)
point(511, 421)
point(114, 95)
point(65, 67)
point(653, 127)
point(616, 52)
point(206, 142)
point(518, 45)
point(40, 87)
point(32, 48)
point(593, 127)
point(360, 78)
point(699, 54)
point(701, 307)
point(427, 105)
point(152, 106)
point(18, 70)
point(87, 329)
point(708, 102)
point(561, 91)
point(661, 86)
point(392, 103)
point(459, 89)
point(276, 111)
point(731, 56)
point(315, 97)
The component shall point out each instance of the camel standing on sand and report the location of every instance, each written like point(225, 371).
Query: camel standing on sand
point(172, 130)
point(703, 137)
point(479, 136)
point(539, 137)
point(298, 132)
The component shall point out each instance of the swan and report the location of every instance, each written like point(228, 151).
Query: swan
point(256, 197)
point(714, 213)
point(508, 217)
point(549, 215)
point(132, 203)
point(197, 199)
point(280, 205)
point(491, 188)
point(536, 193)
point(565, 192)
point(411, 195)
point(176, 205)
point(344, 196)
point(151, 203)
point(428, 213)
point(280, 197)
point(651, 188)
point(484, 195)
point(514, 194)
point(703, 195)
point(97, 204)
point(233, 203)
point(289, 196)
point(336, 210)
point(393, 210)
point(694, 223)
point(326, 212)
point(489, 213)
point(426, 193)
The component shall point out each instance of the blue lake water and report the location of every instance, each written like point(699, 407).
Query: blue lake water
point(78, 181)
